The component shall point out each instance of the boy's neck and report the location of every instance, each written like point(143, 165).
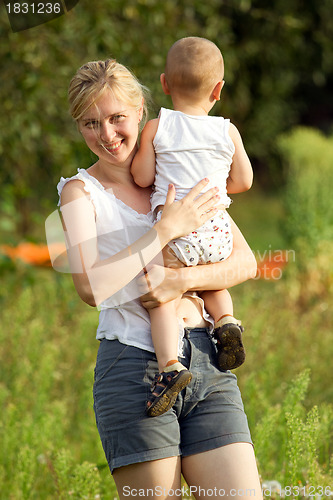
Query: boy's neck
point(201, 108)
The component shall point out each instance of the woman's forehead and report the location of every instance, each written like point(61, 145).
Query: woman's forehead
point(105, 105)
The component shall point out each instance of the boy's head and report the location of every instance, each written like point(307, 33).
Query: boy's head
point(193, 67)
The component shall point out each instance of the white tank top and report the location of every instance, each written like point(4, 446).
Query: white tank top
point(189, 148)
point(121, 316)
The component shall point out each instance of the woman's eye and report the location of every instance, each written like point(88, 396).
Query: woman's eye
point(117, 118)
point(91, 124)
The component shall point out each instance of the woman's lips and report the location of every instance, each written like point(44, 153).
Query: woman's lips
point(113, 147)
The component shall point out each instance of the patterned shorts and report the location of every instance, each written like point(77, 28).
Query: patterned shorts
point(212, 242)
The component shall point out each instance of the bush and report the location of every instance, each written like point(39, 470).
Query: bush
point(309, 210)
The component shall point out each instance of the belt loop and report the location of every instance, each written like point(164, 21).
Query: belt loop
point(186, 333)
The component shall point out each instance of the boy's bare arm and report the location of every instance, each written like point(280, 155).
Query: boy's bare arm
point(241, 174)
point(143, 165)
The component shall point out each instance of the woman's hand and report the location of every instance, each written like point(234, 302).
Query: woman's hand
point(169, 287)
point(239, 267)
point(184, 216)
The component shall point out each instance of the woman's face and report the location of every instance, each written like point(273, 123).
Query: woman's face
point(110, 129)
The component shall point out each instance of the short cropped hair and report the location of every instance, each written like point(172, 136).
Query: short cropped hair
point(194, 65)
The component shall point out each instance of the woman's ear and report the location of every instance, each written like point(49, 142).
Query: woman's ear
point(216, 94)
point(164, 84)
point(140, 113)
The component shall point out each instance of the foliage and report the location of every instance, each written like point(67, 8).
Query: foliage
point(309, 158)
point(275, 62)
point(309, 210)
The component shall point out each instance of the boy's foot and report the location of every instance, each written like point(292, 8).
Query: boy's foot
point(230, 348)
point(165, 388)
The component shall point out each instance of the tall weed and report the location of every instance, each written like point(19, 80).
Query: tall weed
point(289, 439)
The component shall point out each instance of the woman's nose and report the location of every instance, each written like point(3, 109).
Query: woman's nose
point(107, 132)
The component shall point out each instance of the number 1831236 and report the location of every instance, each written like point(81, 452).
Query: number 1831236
point(34, 8)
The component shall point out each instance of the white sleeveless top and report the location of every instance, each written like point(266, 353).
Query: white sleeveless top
point(189, 148)
point(121, 316)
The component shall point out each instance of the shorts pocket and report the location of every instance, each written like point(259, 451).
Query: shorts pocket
point(120, 388)
point(109, 353)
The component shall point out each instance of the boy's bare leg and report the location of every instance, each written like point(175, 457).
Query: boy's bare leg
point(173, 376)
point(218, 303)
point(164, 322)
point(165, 332)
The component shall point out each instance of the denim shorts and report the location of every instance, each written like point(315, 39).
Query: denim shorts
point(208, 413)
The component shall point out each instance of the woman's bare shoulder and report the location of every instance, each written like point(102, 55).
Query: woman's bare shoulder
point(72, 190)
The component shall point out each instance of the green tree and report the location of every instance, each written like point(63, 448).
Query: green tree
point(278, 72)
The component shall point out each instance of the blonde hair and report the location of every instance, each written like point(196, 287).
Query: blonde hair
point(194, 66)
point(95, 77)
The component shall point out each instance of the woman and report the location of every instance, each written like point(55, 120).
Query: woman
point(110, 241)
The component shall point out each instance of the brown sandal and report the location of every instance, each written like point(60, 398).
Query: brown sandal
point(230, 348)
point(165, 388)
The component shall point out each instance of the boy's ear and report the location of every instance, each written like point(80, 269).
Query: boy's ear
point(164, 84)
point(216, 94)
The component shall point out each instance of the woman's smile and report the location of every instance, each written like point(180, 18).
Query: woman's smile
point(112, 148)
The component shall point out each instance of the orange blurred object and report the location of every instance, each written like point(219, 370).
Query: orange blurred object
point(32, 253)
point(270, 267)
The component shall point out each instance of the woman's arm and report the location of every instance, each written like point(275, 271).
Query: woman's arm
point(95, 280)
point(239, 267)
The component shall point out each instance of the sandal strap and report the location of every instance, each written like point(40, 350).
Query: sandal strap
point(157, 389)
point(227, 320)
point(162, 379)
point(160, 382)
point(164, 390)
point(177, 366)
